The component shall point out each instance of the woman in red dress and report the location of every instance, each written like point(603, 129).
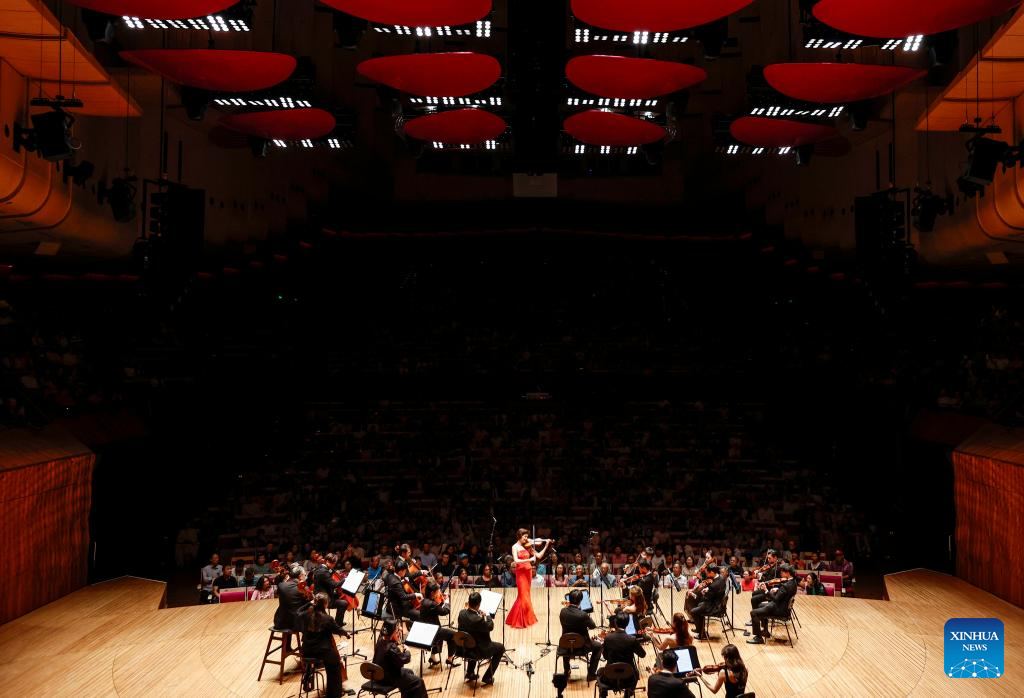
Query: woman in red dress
point(521, 614)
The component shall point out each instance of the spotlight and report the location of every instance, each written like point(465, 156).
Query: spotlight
point(195, 102)
point(983, 155)
point(804, 153)
point(926, 207)
point(50, 135)
point(79, 173)
point(860, 113)
point(121, 197)
point(259, 146)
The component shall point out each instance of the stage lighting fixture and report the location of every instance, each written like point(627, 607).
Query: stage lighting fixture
point(860, 114)
point(260, 147)
point(50, 135)
point(195, 102)
point(804, 153)
point(983, 155)
point(348, 29)
point(926, 207)
point(121, 197)
point(79, 173)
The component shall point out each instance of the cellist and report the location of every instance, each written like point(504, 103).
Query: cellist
point(415, 575)
point(404, 599)
point(324, 581)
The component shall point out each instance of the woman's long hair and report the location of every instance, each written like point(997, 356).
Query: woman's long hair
point(733, 662)
point(315, 612)
point(682, 630)
point(636, 595)
point(563, 575)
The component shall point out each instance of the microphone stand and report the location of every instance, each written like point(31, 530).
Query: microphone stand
point(547, 642)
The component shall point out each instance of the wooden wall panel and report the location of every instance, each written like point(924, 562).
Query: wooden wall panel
point(990, 524)
point(44, 531)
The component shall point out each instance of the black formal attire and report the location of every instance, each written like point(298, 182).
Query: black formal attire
point(710, 604)
point(776, 605)
point(662, 685)
point(431, 612)
point(479, 628)
point(573, 620)
point(324, 583)
point(390, 657)
point(401, 601)
point(290, 603)
point(646, 584)
point(759, 597)
point(320, 644)
point(620, 647)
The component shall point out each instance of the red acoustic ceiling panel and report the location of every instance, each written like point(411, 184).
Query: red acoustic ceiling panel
point(215, 70)
point(156, 9)
point(900, 18)
point(434, 74)
point(631, 78)
point(462, 126)
point(414, 13)
point(285, 124)
point(653, 15)
point(597, 127)
point(776, 133)
point(837, 82)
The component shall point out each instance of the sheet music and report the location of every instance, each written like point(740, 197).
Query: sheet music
point(489, 602)
point(421, 635)
point(353, 580)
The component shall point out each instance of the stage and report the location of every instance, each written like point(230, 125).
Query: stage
point(113, 639)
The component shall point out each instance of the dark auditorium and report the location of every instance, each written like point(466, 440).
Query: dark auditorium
point(512, 348)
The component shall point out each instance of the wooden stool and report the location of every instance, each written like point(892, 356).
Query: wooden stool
point(281, 636)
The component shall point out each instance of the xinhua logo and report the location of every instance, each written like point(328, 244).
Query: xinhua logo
point(973, 648)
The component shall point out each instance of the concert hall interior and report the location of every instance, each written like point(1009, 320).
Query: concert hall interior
point(504, 348)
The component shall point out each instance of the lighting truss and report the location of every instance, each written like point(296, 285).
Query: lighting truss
point(481, 30)
point(273, 102)
point(210, 23)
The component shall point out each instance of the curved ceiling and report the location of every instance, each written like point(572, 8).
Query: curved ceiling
point(838, 82)
point(653, 15)
point(778, 133)
point(597, 127)
point(631, 78)
point(899, 18)
point(156, 9)
point(434, 74)
point(213, 69)
point(285, 124)
point(461, 126)
point(414, 13)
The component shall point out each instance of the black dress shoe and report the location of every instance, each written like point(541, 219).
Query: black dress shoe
point(472, 677)
point(756, 640)
point(488, 680)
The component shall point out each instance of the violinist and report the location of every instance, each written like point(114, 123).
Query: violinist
point(401, 594)
point(680, 634)
point(318, 641)
point(435, 605)
point(777, 597)
point(290, 604)
point(415, 573)
point(732, 673)
point(666, 683)
point(479, 625)
point(711, 597)
point(635, 605)
point(645, 579)
point(770, 570)
point(324, 583)
point(631, 569)
point(391, 655)
point(574, 620)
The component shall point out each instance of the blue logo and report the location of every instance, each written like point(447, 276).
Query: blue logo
point(973, 648)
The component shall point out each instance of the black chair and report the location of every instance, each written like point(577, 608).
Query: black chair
point(312, 677)
point(786, 619)
point(575, 645)
point(464, 646)
point(614, 677)
point(281, 636)
point(721, 614)
point(374, 676)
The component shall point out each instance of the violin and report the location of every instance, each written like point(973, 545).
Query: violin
point(702, 587)
point(305, 590)
point(713, 668)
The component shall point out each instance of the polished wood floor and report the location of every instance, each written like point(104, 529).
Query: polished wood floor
point(113, 639)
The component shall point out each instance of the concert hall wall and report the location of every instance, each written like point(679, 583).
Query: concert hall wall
point(44, 530)
point(990, 524)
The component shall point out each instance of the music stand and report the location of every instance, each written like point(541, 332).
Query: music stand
point(351, 586)
point(421, 636)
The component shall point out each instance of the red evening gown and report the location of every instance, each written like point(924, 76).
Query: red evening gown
point(521, 614)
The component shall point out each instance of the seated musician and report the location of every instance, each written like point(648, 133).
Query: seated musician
point(318, 641)
point(399, 597)
point(646, 580)
point(778, 593)
point(324, 583)
point(391, 655)
point(479, 626)
point(770, 570)
point(574, 620)
point(634, 605)
point(291, 603)
point(679, 634)
point(667, 683)
point(620, 647)
point(732, 673)
point(434, 606)
point(711, 599)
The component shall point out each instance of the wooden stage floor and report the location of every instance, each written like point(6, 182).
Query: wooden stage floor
point(112, 639)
